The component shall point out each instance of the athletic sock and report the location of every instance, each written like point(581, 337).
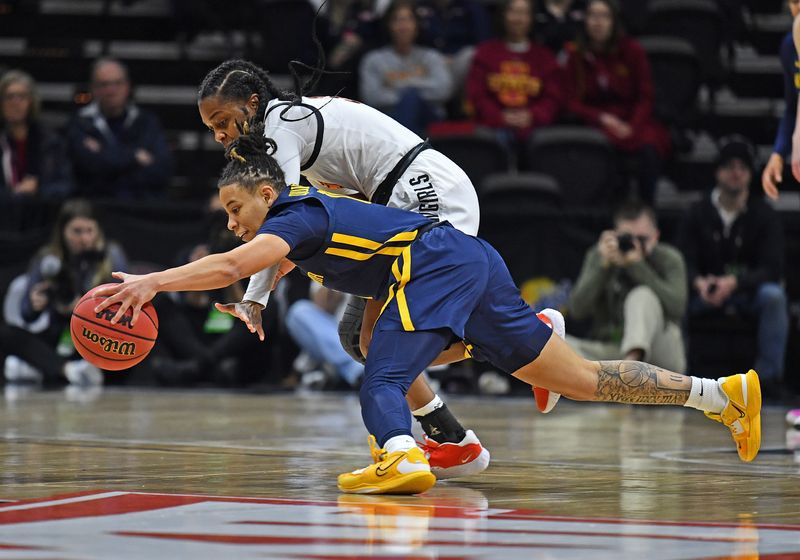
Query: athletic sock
point(399, 443)
point(439, 423)
point(706, 395)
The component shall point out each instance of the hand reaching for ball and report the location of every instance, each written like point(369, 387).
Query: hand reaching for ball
point(134, 291)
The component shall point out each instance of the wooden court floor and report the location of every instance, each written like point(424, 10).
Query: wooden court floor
point(148, 474)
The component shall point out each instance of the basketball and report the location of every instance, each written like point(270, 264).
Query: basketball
point(112, 347)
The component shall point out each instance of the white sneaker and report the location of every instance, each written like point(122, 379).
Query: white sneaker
point(545, 399)
point(20, 371)
point(450, 460)
point(83, 374)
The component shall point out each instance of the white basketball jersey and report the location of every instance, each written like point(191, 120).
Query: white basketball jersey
point(344, 145)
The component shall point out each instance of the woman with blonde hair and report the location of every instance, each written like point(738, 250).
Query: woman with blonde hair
point(32, 158)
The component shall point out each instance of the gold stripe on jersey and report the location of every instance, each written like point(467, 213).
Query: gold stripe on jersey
point(402, 304)
point(375, 248)
point(357, 256)
point(345, 239)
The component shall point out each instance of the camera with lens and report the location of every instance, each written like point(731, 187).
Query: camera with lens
point(625, 242)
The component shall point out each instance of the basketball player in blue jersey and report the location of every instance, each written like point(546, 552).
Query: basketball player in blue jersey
point(340, 145)
point(773, 171)
point(447, 295)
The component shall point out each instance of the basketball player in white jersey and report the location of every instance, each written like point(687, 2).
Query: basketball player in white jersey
point(339, 144)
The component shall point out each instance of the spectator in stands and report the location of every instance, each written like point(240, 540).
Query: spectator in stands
point(357, 31)
point(608, 85)
point(633, 287)
point(408, 82)
point(514, 85)
point(199, 343)
point(33, 158)
point(38, 361)
point(558, 22)
point(454, 28)
point(77, 259)
point(118, 149)
point(314, 325)
point(773, 171)
point(733, 244)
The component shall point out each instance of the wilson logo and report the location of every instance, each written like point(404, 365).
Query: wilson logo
point(107, 314)
point(109, 344)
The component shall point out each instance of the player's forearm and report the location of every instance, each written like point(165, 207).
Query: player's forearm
point(208, 273)
point(260, 284)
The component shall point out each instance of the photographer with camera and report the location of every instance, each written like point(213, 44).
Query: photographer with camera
point(77, 259)
point(733, 244)
point(633, 287)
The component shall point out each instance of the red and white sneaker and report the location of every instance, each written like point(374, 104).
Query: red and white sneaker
point(545, 399)
point(449, 460)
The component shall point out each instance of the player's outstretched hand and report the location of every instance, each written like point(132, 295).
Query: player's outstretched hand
point(247, 311)
point(772, 175)
point(134, 291)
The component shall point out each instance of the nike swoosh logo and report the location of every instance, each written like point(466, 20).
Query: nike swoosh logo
point(741, 412)
point(381, 472)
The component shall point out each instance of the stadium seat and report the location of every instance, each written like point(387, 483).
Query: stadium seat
point(580, 159)
point(701, 23)
point(519, 193)
point(676, 76)
point(477, 154)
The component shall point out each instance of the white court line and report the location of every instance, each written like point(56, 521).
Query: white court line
point(90, 497)
point(670, 456)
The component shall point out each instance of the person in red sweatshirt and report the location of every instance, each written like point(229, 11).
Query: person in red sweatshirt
point(608, 84)
point(514, 85)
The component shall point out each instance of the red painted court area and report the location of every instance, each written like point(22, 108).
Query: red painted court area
point(111, 524)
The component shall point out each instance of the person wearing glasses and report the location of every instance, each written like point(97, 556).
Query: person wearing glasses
point(33, 161)
point(118, 149)
point(634, 289)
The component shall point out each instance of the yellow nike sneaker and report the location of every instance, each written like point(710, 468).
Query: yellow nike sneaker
point(742, 413)
point(401, 472)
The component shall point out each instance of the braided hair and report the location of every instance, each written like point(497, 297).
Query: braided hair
point(238, 80)
point(251, 163)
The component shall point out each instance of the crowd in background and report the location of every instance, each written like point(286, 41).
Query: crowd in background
point(433, 65)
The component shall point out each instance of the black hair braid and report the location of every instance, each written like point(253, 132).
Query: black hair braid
point(251, 163)
point(237, 80)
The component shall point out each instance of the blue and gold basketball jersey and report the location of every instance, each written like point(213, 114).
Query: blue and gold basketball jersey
point(430, 277)
point(361, 243)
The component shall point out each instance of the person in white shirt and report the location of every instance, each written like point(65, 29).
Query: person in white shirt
point(341, 145)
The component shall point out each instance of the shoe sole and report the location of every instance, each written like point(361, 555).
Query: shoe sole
point(753, 407)
point(412, 483)
point(477, 465)
point(546, 399)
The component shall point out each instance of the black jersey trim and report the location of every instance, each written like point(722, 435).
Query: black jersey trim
point(320, 127)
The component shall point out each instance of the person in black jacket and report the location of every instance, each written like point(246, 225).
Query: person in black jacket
point(118, 149)
point(33, 161)
point(734, 249)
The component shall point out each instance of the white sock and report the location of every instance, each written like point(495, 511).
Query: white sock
point(400, 443)
point(430, 407)
point(706, 395)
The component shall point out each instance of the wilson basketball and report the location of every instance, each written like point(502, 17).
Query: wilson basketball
point(112, 347)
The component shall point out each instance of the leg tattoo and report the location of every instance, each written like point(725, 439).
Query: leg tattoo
point(640, 383)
